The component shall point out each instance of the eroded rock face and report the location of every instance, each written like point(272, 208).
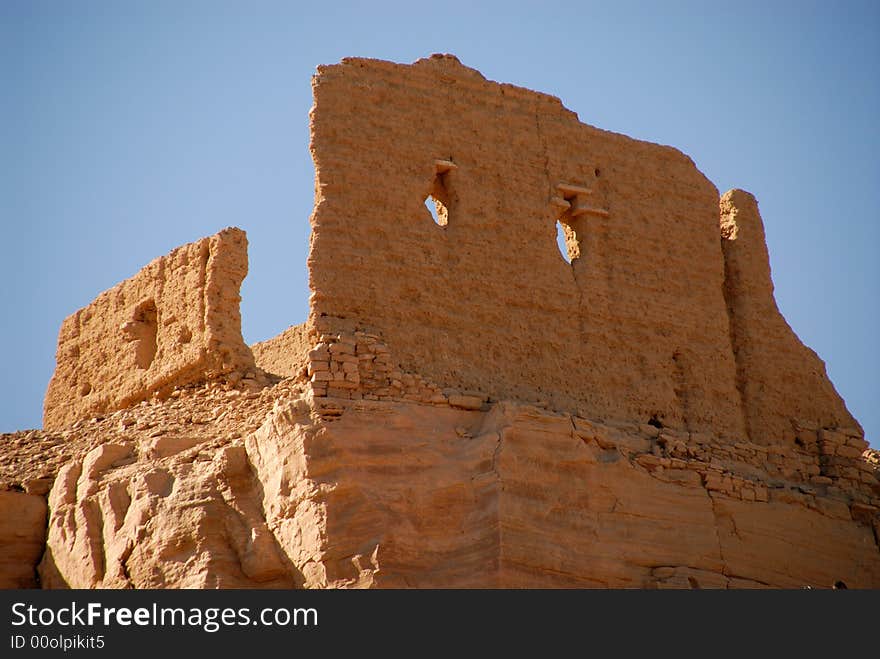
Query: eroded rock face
point(176, 322)
point(415, 494)
point(187, 517)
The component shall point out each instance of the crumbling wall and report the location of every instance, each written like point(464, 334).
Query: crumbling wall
point(22, 537)
point(177, 321)
point(635, 327)
point(785, 390)
point(638, 326)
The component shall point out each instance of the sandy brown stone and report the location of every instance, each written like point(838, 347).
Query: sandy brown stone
point(22, 538)
point(463, 407)
point(285, 355)
point(636, 326)
point(783, 383)
point(176, 322)
point(408, 494)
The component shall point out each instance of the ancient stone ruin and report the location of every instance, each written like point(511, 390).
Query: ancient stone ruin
point(464, 406)
point(175, 322)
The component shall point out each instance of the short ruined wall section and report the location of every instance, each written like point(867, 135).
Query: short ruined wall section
point(176, 322)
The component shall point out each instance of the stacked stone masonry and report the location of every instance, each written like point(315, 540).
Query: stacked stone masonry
point(360, 366)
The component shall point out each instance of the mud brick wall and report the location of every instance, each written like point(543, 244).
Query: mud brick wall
point(177, 321)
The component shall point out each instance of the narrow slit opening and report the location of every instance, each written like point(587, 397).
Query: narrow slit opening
point(438, 210)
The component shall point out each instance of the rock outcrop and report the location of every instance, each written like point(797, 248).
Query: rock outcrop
point(22, 537)
point(464, 407)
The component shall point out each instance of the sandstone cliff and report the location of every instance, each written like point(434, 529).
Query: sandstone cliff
point(463, 407)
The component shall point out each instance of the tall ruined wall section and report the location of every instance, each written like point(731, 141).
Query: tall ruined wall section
point(637, 326)
point(176, 322)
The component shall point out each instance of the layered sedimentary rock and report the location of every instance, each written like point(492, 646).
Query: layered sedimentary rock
point(463, 407)
point(177, 321)
point(286, 354)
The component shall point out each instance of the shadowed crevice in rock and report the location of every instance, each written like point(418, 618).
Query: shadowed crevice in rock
point(23, 521)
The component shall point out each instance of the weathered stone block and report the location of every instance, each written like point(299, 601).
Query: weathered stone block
point(22, 537)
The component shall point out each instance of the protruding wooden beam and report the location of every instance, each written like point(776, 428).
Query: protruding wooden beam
point(560, 203)
point(570, 190)
point(589, 210)
point(443, 166)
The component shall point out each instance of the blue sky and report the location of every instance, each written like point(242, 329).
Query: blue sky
point(128, 128)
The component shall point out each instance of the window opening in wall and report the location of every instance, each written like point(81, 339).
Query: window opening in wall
point(437, 201)
point(575, 207)
point(560, 242)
